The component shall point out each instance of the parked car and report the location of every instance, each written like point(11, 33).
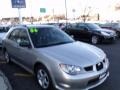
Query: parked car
point(3, 30)
point(55, 58)
point(112, 26)
point(90, 32)
point(59, 25)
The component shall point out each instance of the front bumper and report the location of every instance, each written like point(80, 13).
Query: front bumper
point(109, 38)
point(83, 81)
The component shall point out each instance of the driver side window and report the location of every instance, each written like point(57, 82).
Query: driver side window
point(23, 37)
point(82, 27)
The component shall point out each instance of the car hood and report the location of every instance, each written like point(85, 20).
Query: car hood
point(76, 53)
point(106, 30)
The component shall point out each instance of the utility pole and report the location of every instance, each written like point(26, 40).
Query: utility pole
point(31, 16)
point(20, 17)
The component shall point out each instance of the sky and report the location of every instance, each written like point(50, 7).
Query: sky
point(104, 7)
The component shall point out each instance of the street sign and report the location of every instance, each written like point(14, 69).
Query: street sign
point(18, 3)
point(43, 10)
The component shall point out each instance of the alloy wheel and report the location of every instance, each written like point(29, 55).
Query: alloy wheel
point(94, 39)
point(43, 78)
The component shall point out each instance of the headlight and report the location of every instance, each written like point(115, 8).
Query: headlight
point(105, 33)
point(106, 62)
point(70, 69)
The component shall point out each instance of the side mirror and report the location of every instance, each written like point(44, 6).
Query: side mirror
point(25, 44)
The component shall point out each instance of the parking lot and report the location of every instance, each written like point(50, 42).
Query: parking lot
point(22, 80)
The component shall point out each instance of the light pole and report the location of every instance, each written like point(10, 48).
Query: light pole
point(73, 10)
point(20, 16)
point(31, 15)
point(53, 12)
point(66, 10)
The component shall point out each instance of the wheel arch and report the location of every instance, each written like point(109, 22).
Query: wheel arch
point(36, 65)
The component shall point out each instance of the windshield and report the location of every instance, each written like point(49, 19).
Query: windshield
point(48, 36)
point(93, 26)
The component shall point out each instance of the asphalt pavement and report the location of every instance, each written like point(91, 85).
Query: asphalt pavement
point(4, 83)
point(22, 80)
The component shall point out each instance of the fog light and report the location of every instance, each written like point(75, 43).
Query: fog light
point(65, 85)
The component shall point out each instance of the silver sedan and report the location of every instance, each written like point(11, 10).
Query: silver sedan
point(56, 60)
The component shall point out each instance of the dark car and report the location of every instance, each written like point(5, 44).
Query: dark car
point(112, 26)
point(90, 32)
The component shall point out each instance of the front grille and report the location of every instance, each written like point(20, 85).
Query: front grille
point(99, 66)
point(89, 68)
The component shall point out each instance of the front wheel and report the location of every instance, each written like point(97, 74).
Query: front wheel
point(94, 39)
point(43, 78)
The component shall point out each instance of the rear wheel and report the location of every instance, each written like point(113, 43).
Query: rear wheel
point(43, 78)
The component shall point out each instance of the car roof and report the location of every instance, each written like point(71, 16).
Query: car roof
point(30, 26)
point(33, 25)
point(40, 25)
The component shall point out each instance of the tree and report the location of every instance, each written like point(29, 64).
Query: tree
point(86, 14)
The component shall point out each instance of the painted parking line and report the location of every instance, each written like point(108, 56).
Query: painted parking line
point(22, 75)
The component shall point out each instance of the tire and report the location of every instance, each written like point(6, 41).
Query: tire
point(6, 57)
point(43, 78)
point(95, 39)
